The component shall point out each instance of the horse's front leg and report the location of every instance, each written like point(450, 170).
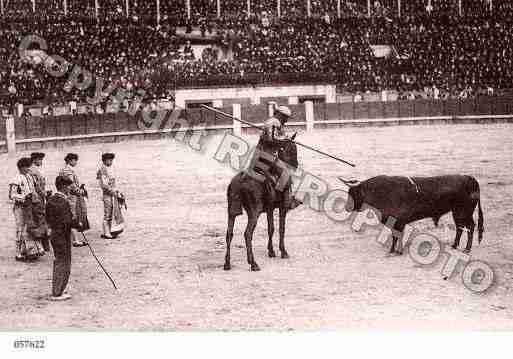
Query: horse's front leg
point(270, 232)
point(248, 236)
point(283, 215)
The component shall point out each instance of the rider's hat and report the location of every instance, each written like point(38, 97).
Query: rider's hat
point(284, 110)
point(108, 156)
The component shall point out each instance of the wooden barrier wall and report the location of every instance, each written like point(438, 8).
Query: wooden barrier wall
point(85, 126)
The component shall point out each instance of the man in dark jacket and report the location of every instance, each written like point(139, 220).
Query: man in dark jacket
point(60, 219)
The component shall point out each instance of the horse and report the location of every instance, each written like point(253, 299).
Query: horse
point(256, 197)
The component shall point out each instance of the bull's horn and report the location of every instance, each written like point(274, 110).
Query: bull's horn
point(349, 183)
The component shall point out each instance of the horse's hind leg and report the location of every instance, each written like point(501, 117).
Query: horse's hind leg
point(270, 232)
point(229, 236)
point(248, 236)
point(283, 215)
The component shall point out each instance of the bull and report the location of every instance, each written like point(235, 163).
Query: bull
point(409, 199)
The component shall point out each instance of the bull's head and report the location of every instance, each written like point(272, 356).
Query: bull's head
point(355, 197)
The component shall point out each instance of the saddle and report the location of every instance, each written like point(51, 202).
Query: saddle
point(272, 175)
point(270, 193)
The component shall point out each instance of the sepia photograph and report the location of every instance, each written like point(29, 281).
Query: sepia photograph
point(291, 168)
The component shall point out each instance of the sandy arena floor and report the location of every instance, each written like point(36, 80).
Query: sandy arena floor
point(168, 265)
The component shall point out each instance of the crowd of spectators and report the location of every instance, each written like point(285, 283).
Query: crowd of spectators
point(177, 9)
point(117, 52)
point(433, 50)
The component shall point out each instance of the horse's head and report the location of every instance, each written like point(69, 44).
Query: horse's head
point(287, 152)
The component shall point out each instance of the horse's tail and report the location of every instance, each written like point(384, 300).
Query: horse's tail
point(233, 195)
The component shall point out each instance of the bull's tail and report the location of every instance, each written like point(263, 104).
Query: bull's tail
point(480, 221)
point(475, 194)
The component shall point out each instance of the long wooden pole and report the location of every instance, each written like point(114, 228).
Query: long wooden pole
point(188, 8)
point(127, 10)
point(249, 8)
point(96, 9)
point(98, 261)
point(65, 7)
point(339, 9)
point(218, 9)
point(158, 12)
point(278, 5)
point(309, 8)
point(398, 8)
point(227, 115)
point(369, 8)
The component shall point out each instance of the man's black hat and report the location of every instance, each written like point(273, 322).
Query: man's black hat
point(70, 157)
point(24, 162)
point(37, 155)
point(108, 156)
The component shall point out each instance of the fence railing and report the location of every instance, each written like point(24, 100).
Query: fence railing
point(37, 129)
point(253, 79)
point(482, 105)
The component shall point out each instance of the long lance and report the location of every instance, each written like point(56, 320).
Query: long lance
point(222, 113)
point(99, 263)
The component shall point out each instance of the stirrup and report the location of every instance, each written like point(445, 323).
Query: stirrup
point(294, 203)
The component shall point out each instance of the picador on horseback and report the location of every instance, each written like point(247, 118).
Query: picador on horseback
point(273, 140)
point(265, 185)
point(259, 189)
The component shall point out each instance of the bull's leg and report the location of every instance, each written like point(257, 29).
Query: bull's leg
point(470, 236)
point(270, 232)
point(394, 241)
point(398, 238)
point(399, 246)
point(229, 236)
point(463, 219)
point(456, 243)
point(283, 215)
point(248, 236)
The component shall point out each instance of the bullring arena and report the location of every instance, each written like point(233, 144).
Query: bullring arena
point(410, 88)
point(168, 264)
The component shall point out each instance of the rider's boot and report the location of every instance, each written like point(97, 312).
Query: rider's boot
point(294, 202)
point(291, 202)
